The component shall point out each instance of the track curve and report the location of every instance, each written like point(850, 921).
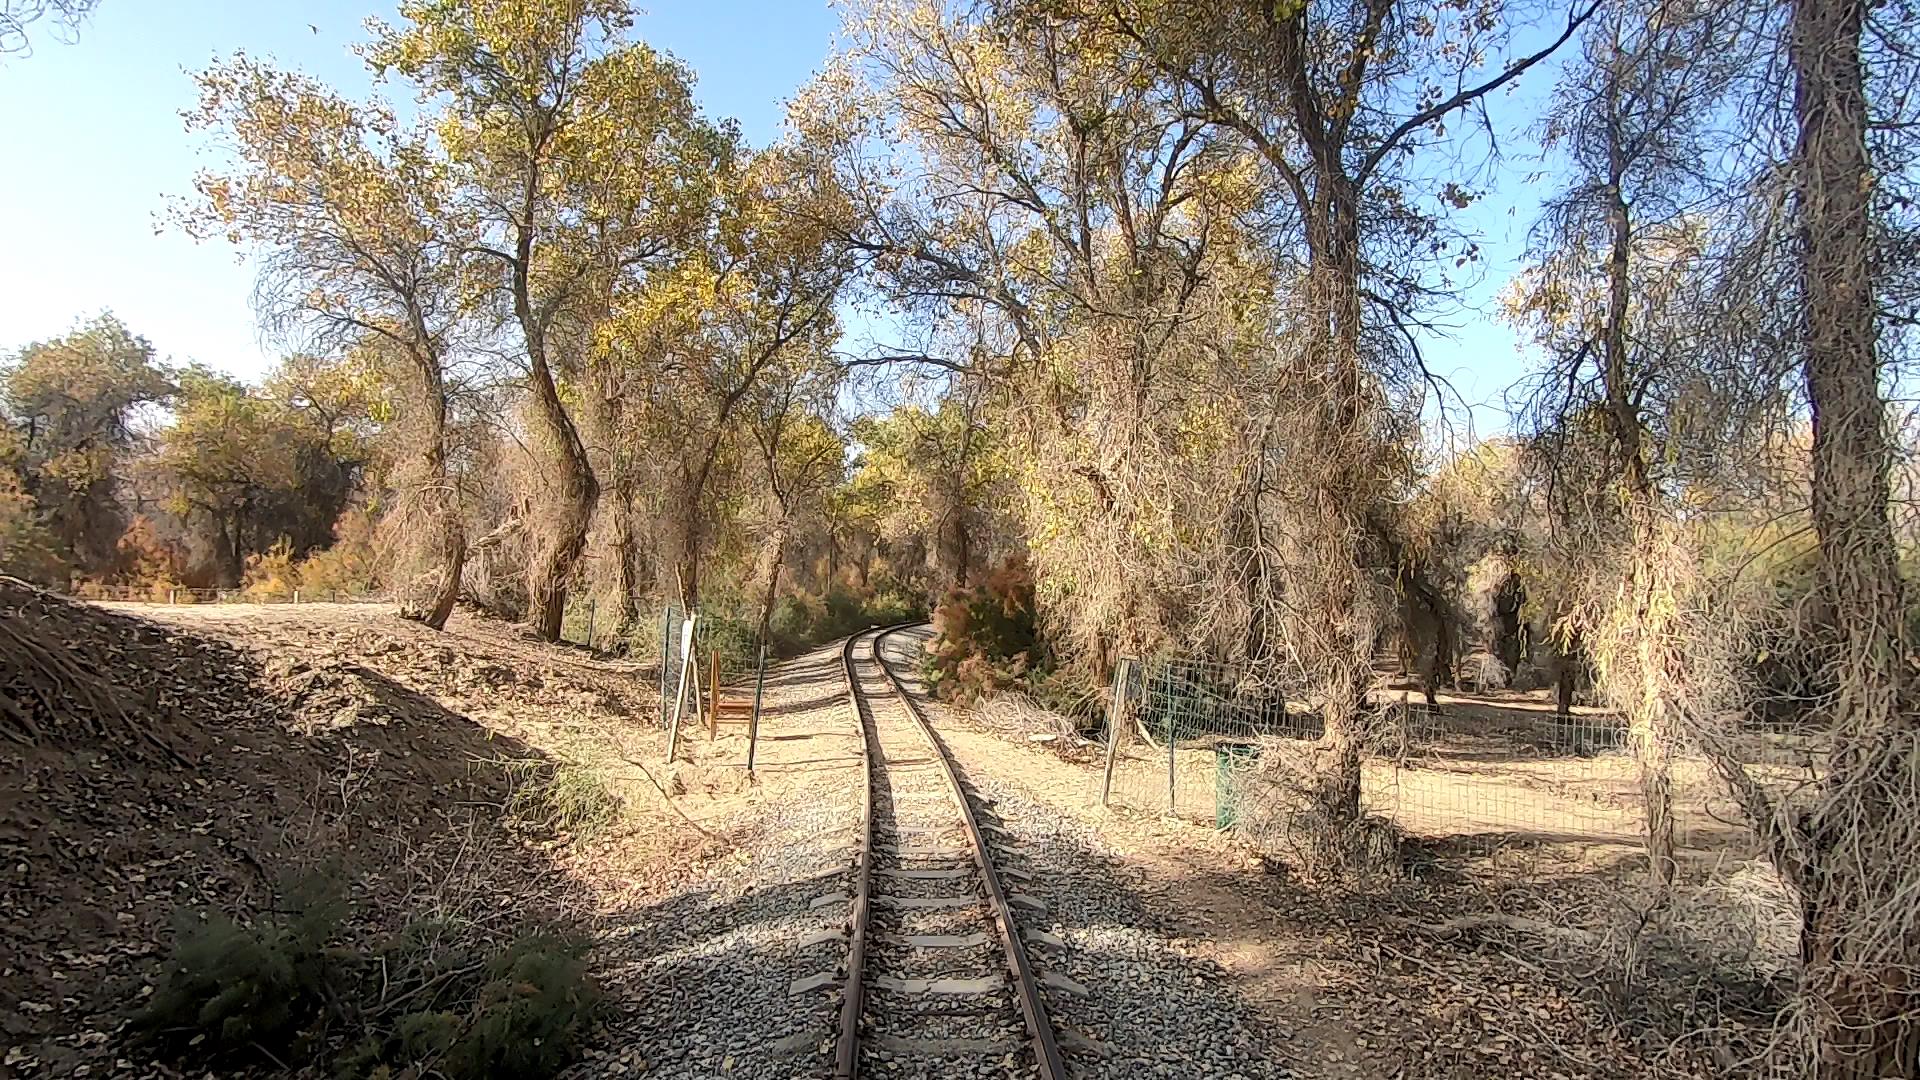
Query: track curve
point(912, 1001)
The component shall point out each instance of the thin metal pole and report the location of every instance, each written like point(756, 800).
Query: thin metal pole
point(666, 654)
point(753, 723)
point(592, 604)
point(680, 698)
point(1173, 746)
point(1115, 714)
point(713, 693)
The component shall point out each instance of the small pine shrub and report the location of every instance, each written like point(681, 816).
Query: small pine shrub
point(287, 986)
point(530, 1015)
point(234, 986)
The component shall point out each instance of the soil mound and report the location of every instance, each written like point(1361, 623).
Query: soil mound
point(150, 774)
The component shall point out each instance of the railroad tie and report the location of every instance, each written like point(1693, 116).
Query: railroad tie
point(819, 980)
point(1041, 937)
point(927, 903)
point(986, 984)
point(947, 874)
point(1056, 981)
point(939, 941)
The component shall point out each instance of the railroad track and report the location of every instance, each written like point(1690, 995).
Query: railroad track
point(938, 980)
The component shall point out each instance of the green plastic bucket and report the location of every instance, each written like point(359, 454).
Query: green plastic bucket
point(1230, 761)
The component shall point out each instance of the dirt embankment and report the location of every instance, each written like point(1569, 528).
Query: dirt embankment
point(152, 772)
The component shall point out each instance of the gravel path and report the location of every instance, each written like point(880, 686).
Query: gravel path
point(700, 983)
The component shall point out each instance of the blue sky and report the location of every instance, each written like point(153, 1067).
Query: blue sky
point(97, 147)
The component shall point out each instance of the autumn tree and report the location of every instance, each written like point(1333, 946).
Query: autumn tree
point(1631, 409)
point(579, 156)
point(753, 299)
point(230, 464)
point(73, 407)
point(800, 457)
point(349, 216)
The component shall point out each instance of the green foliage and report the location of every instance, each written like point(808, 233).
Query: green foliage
point(803, 620)
point(986, 637)
point(569, 797)
point(236, 987)
point(290, 985)
point(68, 408)
point(528, 1018)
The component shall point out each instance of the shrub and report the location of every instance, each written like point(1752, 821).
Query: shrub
point(348, 568)
point(986, 637)
point(288, 987)
point(564, 796)
point(271, 574)
point(234, 987)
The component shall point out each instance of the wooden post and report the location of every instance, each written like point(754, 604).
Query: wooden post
point(296, 596)
point(713, 693)
point(666, 654)
point(753, 722)
point(1116, 716)
point(173, 596)
point(687, 670)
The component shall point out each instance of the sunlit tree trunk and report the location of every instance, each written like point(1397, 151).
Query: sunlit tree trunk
point(1860, 948)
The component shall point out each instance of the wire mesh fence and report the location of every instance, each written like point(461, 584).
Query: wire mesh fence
point(168, 594)
point(1199, 740)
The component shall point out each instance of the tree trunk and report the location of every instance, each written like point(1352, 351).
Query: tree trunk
point(626, 562)
point(569, 513)
point(1860, 950)
point(772, 558)
point(444, 502)
point(575, 489)
point(1650, 732)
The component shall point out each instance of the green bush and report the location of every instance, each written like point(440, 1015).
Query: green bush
point(563, 796)
point(287, 987)
point(234, 987)
point(529, 1016)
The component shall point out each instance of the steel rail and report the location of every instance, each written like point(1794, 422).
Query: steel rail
point(846, 1052)
point(1046, 1050)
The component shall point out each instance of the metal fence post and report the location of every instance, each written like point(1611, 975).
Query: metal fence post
point(666, 655)
point(680, 699)
point(753, 723)
point(592, 605)
point(1116, 710)
point(1173, 765)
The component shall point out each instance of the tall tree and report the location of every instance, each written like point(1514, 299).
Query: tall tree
point(581, 158)
point(1619, 299)
point(1861, 873)
point(73, 403)
point(348, 214)
point(801, 455)
point(1337, 98)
